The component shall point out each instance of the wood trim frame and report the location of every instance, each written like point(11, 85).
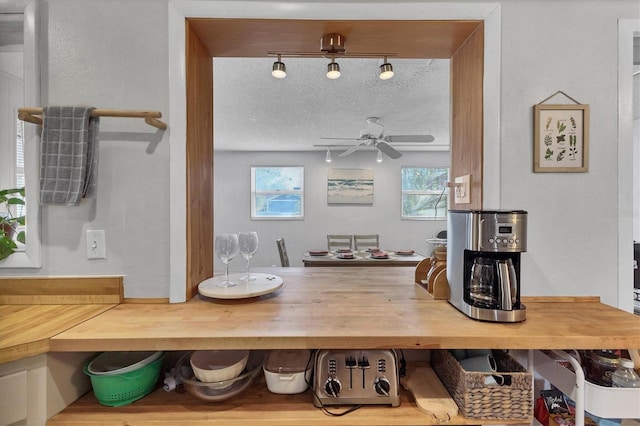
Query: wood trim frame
point(199, 227)
point(467, 77)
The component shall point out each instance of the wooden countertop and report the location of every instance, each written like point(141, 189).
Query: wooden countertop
point(34, 309)
point(25, 330)
point(347, 308)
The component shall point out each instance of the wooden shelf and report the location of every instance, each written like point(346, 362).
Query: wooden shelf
point(256, 404)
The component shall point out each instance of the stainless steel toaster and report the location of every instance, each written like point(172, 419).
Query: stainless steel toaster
point(346, 377)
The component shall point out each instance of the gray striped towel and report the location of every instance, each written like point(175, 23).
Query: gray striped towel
point(69, 155)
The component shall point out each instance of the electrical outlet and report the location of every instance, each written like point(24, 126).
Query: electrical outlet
point(463, 189)
point(96, 246)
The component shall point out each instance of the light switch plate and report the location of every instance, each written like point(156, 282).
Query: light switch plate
point(96, 245)
point(463, 189)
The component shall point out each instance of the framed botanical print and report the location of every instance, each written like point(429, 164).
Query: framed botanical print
point(561, 138)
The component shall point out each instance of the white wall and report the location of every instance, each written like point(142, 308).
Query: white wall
point(113, 54)
point(232, 188)
point(573, 224)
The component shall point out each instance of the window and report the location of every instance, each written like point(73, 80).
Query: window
point(277, 193)
point(424, 194)
point(20, 178)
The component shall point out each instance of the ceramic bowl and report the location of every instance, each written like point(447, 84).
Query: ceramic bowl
point(218, 365)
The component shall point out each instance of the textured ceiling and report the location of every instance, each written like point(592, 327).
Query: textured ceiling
point(255, 112)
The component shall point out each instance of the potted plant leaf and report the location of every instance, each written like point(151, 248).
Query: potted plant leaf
point(9, 221)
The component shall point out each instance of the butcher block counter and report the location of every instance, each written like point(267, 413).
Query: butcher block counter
point(347, 308)
point(316, 308)
point(32, 310)
point(322, 308)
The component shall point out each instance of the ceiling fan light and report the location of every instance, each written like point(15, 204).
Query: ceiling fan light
point(333, 71)
point(279, 70)
point(328, 158)
point(379, 158)
point(386, 71)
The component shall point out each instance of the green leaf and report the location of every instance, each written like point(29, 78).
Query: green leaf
point(19, 201)
point(7, 247)
point(21, 237)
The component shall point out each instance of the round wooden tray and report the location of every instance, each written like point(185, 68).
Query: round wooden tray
point(263, 284)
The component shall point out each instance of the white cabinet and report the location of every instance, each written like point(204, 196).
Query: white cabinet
point(605, 402)
point(13, 397)
point(34, 389)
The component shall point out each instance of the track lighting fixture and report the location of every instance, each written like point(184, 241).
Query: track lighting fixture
point(328, 158)
point(331, 46)
point(386, 70)
point(279, 70)
point(333, 70)
point(379, 158)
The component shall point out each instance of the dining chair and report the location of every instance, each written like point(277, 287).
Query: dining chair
point(339, 241)
point(364, 241)
point(282, 250)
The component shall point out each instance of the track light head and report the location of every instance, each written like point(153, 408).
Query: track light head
point(279, 70)
point(333, 70)
point(379, 158)
point(328, 158)
point(386, 70)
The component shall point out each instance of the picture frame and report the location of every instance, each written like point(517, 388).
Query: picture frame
point(561, 138)
point(350, 186)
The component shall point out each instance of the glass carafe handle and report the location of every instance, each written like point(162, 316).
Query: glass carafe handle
point(513, 281)
point(504, 281)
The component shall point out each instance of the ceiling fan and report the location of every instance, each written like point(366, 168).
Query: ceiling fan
point(373, 136)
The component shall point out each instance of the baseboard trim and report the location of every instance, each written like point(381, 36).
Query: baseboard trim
point(146, 301)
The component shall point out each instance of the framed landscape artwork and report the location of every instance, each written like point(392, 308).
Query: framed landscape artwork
point(350, 186)
point(561, 138)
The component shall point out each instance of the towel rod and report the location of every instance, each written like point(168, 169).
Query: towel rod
point(150, 117)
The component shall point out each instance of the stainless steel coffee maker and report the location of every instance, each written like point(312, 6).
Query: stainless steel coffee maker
point(483, 263)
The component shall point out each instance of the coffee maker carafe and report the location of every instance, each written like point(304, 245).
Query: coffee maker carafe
point(483, 266)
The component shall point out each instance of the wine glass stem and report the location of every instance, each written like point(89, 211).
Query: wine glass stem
point(248, 274)
point(226, 273)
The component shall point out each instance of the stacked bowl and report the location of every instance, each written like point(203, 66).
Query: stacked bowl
point(217, 375)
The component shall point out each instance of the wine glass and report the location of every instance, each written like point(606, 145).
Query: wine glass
point(248, 242)
point(226, 247)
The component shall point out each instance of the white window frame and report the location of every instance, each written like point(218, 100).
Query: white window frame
point(255, 193)
point(440, 193)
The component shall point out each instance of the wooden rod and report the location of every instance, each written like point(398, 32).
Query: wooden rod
point(150, 117)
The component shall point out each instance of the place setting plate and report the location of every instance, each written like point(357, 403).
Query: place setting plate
point(379, 257)
point(404, 252)
point(342, 257)
point(263, 284)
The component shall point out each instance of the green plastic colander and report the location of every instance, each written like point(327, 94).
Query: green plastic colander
point(115, 390)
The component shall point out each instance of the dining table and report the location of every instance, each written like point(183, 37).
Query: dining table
point(362, 258)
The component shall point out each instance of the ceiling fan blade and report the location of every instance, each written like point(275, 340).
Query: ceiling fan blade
point(410, 138)
point(343, 139)
point(388, 149)
point(351, 150)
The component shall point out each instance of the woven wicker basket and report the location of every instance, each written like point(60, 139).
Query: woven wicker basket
point(477, 400)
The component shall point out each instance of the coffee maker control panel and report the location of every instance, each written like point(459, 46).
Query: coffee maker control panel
point(499, 232)
point(505, 238)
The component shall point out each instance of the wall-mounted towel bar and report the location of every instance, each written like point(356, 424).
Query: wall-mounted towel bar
point(34, 115)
